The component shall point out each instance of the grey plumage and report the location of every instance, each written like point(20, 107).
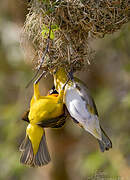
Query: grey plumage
point(106, 143)
point(82, 109)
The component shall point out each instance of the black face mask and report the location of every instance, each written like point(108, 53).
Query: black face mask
point(53, 91)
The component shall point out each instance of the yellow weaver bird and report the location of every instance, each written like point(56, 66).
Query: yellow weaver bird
point(81, 106)
point(45, 111)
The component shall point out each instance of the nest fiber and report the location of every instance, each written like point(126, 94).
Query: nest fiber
point(74, 23)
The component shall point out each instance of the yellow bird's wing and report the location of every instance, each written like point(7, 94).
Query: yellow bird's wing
point(57, 122)
point(25, 116)
point(44, 109)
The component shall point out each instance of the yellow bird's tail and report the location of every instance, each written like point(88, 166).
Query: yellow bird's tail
point(34, 148)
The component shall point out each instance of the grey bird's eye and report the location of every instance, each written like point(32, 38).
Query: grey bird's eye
point(54, 72)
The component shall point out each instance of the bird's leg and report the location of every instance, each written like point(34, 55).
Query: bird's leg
point(36, 91)
point(70, 74)
point(36, 86)
point(60, 97)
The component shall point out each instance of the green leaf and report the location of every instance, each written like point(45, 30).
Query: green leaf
point(54, 27)
point(52, 35)
point(45, 31)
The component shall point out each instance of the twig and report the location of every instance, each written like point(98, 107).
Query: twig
point(43, 57)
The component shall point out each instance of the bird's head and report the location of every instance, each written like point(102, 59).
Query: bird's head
point(60, 77)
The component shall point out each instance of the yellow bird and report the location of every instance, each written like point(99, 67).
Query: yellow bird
point(81, 106)
point(45, 111)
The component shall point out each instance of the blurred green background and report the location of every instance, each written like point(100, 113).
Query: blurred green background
point(75, 153)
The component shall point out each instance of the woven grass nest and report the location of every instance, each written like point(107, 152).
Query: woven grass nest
point(73, 24)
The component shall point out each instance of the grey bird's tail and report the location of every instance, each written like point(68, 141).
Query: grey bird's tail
point(41, 158)
point(106, 143)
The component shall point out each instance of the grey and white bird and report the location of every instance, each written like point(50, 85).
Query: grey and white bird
point(81, 106)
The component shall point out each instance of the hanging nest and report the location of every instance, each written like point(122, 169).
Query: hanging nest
point(73, 24)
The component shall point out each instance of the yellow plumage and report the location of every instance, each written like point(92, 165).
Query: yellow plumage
point(45, 107)
point(35, 134)
point(45, 111)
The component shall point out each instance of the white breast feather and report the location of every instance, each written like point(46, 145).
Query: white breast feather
point(78, 110)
